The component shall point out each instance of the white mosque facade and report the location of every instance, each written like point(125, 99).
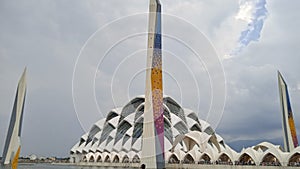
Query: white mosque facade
point(188, 140)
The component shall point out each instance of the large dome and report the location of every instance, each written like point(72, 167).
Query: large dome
point(118, 136)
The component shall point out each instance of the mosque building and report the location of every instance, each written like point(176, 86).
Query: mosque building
point(155, 130)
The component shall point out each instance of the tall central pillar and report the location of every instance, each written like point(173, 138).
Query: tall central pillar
point(153, 130)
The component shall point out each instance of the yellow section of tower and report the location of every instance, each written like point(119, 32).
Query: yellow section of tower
point(14, 164)
point(293, 130)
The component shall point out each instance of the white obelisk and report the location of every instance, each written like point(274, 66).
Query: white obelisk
point(13, 145)
point(153, 128)
point(288, 125)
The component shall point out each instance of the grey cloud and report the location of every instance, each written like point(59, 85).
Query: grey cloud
point(48, 35)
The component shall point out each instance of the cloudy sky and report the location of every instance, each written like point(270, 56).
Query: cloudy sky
point(86, 57)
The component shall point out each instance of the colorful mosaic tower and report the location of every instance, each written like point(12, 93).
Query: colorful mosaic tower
point(13, 143)
point(153, 130)
point(288, 125)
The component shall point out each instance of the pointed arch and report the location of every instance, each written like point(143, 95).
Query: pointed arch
point(84, 159)
point(188, 159)
point(246, 159)
point(205, 159)
point(270, 160)
point(294, 160)
point(99, 159)
point(107, 159)
point(92, 159)
point(116, 159)
point(224, 159)
point(125, 159)
point(136, 159)
point(173, 159)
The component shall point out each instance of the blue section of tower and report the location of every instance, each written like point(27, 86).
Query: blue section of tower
point(10, 128)
point(284, 127)
point(22, 112)
point(288, 103)
point(156, 63)
point(157, 42)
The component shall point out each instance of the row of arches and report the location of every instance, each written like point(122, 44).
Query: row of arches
point(268, 159)
point(267, 154)
point(204, 159)
point(245, 159)
point(107, 159)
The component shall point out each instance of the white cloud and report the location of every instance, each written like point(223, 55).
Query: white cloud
point(254, 14)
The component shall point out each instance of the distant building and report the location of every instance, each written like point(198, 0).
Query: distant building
point(42, 158)
point(33, 157)
point(52, 158)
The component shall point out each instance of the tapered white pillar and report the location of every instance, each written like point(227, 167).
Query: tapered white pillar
point(288, 125)
point(153, 128)
point(13, 145)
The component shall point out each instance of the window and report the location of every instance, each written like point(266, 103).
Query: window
point(168, 131)
point(111, 115)
point(195, 127)
point(108, 128)
point(131, 107)
point(209, 131)
point(181, 128)
point(137, 131)
point(194, 117)
point(175, 108)
point(126, 137)
point(109, 140)
point(123, 127)
point(81, 141)
point(94, 140)
point(95, 129)
point(139, 113)
point(167, 114)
